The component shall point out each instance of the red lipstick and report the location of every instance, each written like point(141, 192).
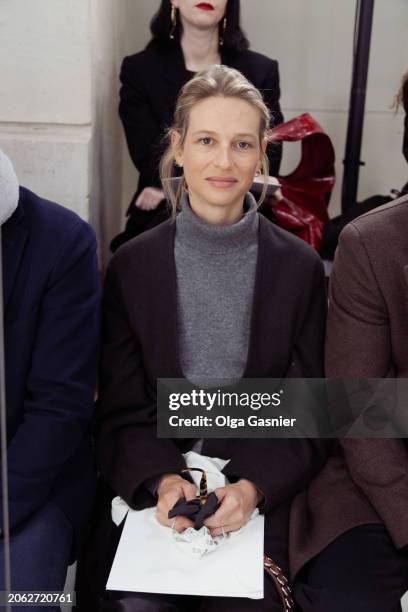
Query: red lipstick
point(205, 6)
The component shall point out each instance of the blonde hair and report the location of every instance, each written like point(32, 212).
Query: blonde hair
point(217, 81)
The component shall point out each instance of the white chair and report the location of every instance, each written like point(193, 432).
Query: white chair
point(69, 586)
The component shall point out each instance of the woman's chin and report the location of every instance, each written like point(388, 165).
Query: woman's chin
point(225, 201)
point(204, 19)
point(223, 194)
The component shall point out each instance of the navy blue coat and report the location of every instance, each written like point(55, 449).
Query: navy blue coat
point(51, 298)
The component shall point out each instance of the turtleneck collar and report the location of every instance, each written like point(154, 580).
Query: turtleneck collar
point(217, 239)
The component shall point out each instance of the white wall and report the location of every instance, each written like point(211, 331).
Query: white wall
point(58, 97)
point(105, 177)
point(313, 41)
point(45, 96)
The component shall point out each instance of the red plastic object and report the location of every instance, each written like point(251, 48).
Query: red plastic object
point(307, 190)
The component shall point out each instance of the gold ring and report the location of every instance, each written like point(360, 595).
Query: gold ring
point(222, 532)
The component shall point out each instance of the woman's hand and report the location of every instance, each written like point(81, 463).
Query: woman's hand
point(171, 488)
point(238, 501)
point(149, 198)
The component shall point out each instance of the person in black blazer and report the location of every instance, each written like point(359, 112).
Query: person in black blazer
point(152, 79)
point(219, 291)
point(51, 327)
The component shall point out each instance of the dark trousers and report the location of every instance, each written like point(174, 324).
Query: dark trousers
point(148, 602)
point(40, 550)
point(361, 571)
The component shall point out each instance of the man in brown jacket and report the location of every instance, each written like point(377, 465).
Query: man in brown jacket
point(349, 530)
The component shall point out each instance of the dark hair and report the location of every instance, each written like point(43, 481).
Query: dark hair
point(234, 37)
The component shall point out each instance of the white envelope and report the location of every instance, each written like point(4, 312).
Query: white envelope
point(148, 561)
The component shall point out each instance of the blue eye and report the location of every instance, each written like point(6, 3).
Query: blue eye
point(206, 140)
point(243, 145)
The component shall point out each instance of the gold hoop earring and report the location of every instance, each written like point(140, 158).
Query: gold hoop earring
point(173, 18)
point(224, 27)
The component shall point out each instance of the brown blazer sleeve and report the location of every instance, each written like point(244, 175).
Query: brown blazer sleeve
point(358, 336)
point(358, 344)
point(128, 451)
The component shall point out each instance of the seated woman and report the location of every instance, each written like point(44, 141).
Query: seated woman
point(187, 36)
point(216, 292)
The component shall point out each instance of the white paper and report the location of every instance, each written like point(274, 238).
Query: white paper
point(148, 561)
point(212, 467)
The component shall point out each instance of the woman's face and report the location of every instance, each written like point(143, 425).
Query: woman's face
point(221, 153)
point(201, 14)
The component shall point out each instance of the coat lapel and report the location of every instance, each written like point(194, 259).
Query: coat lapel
point(175, 75)
point(268, 340)
point(163, 305)
point(174, 69)
point(14, 238)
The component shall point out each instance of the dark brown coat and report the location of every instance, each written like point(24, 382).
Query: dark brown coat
point(140, 345)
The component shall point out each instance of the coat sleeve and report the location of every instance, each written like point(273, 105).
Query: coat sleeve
point(142, 128)
point(129, 452)
point(271, 94)
point(281, 468)
point(358, 334)
point(60, 386)
point(359, 344)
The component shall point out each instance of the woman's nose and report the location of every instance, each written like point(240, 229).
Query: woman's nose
point(223, 157)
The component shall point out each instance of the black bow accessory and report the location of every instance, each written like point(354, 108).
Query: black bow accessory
point(198, 509)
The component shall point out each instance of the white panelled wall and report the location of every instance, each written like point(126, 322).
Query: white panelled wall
point(58, 99)
point(45, 102)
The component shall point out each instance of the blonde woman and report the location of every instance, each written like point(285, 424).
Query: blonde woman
point(215, 292)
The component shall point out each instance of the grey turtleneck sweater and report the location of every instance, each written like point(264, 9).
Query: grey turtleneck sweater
point(215, 268)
